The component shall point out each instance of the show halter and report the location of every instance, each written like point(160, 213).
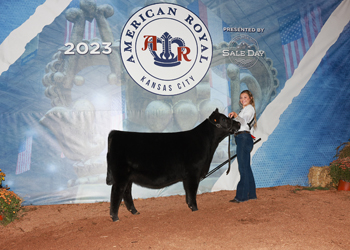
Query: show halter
point(250, 124)
point(222, 164)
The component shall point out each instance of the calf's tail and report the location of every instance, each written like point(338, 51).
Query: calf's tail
point(109, 179)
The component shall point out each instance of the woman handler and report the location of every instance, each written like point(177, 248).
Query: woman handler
point(246, 189)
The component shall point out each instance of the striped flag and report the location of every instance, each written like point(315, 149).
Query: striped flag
point(24, 155)
point(214, 23)
point(118, 108)
point(90, 27)
point(219, 83)
point(298, 30)
point(89, 33)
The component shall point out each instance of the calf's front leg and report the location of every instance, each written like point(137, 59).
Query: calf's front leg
point(191, 187)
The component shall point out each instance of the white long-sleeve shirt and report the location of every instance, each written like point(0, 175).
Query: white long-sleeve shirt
point(245, 116)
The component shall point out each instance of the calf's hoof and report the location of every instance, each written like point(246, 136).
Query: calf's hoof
point(115, 218)
point(134, 211)
point(193, 208)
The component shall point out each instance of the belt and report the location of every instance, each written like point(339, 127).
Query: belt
point(241, 132)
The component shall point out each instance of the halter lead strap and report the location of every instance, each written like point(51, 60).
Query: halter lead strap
point(251, 123)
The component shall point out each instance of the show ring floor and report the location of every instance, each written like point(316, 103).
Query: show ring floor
point(285, 217)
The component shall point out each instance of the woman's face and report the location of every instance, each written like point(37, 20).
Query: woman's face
point(244, 99)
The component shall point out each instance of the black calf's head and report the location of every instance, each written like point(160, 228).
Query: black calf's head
point(223, 122)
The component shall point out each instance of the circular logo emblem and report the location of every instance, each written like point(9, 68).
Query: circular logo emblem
point(166, 49)
point(244, 51)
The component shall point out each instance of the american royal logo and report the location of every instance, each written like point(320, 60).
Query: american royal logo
point(166, 49)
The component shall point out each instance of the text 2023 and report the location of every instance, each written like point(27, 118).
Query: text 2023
point(83, 48)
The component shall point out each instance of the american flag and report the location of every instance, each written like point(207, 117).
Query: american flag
point(24, 155)
point(90, 27)
point(298, 30)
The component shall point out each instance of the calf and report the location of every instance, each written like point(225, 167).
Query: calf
point(157, 160)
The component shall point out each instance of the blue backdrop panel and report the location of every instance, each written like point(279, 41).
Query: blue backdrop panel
point(55, 153)
point(14, 13)
point(317, 121)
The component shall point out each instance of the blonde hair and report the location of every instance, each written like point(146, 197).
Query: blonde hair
point(252, 102)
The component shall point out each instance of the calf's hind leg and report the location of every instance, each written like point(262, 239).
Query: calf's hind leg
point(129, 203)
point(117, 193)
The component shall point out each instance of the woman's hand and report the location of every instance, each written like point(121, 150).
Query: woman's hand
point(232, 114)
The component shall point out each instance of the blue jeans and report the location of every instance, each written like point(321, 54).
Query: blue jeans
point(246, 188)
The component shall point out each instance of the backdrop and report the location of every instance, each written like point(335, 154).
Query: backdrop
point(56, 109)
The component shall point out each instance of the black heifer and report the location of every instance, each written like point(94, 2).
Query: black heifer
point(157, 160)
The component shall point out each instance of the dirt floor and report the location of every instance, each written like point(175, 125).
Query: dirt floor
point(285, 217)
